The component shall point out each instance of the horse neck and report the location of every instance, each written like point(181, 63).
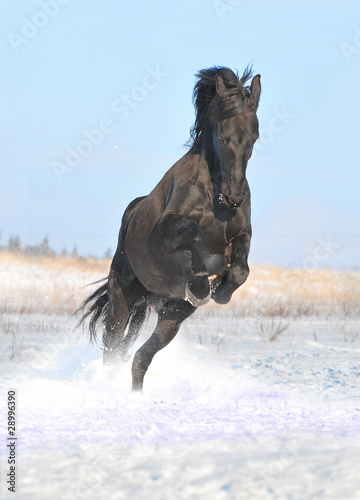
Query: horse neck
point(210, 161)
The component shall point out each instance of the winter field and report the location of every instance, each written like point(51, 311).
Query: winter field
point(259, 399)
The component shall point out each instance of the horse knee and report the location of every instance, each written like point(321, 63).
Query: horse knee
point(240, 274)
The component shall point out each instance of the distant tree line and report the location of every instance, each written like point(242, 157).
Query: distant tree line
point(43, 249)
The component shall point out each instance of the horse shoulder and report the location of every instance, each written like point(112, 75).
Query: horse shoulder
point(186, 191)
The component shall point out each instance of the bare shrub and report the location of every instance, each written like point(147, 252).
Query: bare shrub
point(271, 330)
point(349, 331)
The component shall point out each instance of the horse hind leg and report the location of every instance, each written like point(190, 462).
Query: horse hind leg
point(136, 320)
point(170, 317)
point(124, 319)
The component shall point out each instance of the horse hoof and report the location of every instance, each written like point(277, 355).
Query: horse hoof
point(194, 301)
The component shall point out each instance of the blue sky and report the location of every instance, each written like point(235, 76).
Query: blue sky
point(112, 81)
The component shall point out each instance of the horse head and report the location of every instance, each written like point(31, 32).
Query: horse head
point(227, 127)
point(233, 138)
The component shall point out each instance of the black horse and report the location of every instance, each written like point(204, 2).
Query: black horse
point(187, 241)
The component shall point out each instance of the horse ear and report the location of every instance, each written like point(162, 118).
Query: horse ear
point(255, 91)
point(220, 86)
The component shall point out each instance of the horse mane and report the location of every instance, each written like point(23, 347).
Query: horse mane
point(205, 90)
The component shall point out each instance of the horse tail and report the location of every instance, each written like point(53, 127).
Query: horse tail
point(97, 310)
point(121, 278)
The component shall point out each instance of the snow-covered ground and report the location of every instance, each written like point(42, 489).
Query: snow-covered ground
point(225, 413)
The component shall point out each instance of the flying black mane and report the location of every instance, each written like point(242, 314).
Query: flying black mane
point(205, 90)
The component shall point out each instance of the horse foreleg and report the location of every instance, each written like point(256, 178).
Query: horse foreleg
point(172, 314)
point(181, 234)
point(237, 272)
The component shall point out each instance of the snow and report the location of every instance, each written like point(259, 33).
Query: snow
point(225, 413)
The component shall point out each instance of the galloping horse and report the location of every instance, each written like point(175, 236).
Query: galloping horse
point(187, 241)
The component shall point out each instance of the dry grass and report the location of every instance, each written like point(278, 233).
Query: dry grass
point(48, 285)
point(9, 261)
point(277, 292)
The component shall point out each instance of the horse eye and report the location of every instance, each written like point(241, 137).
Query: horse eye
point(222, 139)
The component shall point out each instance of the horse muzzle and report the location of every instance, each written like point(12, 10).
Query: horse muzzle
point(232, 203)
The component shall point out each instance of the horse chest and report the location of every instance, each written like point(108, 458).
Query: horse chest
point(216, 248)
point(217, 235)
